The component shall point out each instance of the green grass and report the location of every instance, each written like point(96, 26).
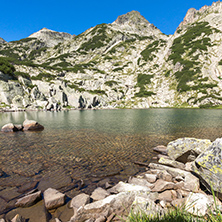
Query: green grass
point(6, 67)
point(142, 80)
point(178, 214)
point(110, 83)
point(48, 77)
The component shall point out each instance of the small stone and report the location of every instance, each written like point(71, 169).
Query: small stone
point(162, 185)
point(28, 200)
point(99, 194)
point(80, 200)
point(161, 149)
point(140, 182)
point(126, 187)
point(166, 196)
point(164, 175)
point(17, 218)
point(171, 163)
point(162, 203)
point(53, 198)
point(151, 178)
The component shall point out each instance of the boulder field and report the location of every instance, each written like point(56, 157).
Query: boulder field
point(187, 172)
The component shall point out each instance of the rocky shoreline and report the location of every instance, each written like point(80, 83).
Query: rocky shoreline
point(186, 171)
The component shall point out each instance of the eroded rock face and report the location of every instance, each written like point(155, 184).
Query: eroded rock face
point(32, 125)
point(208, 166)
point(187, 149)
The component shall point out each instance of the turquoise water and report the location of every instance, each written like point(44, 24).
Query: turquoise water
point(98, 143)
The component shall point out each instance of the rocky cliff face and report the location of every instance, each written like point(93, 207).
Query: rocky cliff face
point(126, 64)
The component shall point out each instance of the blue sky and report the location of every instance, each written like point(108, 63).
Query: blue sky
point(21, 18)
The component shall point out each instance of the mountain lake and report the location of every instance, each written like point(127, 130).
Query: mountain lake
point(89, 146)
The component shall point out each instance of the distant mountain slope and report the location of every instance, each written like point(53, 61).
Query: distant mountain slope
point(126, 64)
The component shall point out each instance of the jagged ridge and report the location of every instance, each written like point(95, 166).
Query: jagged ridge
point(128, 63)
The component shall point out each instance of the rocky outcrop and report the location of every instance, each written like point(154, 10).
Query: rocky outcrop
point(50, 37)
point(208, 165)
point(186, 149)
point(2, 40)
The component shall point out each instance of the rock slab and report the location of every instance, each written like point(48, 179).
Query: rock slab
point(208, 166)
point(28, 200)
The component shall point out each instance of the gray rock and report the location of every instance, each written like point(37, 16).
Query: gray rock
point(160, 149)
point(164, 175)
point(28, 200)
point(208, 166)
point(99, 194)
point(8, 128)
point(32, 125)
point(186, 149)
point(172, 163)
point(80, 200)
point(198, 204)
point(53, 198)
point(140, 182)
point(111, 204)
point(162, 185)
point(151, 178)
point(125, 187)
point(191, 183)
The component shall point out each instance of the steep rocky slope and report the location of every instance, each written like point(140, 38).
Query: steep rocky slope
point(126, 64)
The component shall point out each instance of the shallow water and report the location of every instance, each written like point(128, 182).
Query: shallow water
point(94, 144)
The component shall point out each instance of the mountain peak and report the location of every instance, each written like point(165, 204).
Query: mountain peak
point(2, 40)
point(50, 37)
point(134, 22)
point(133, 17)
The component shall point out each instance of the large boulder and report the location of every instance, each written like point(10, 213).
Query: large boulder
point(187, 149)
point(32, 125)
point(208, 166)
point(8, 128)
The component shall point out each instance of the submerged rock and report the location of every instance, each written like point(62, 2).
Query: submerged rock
point(208, 166)
point(28, 200)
